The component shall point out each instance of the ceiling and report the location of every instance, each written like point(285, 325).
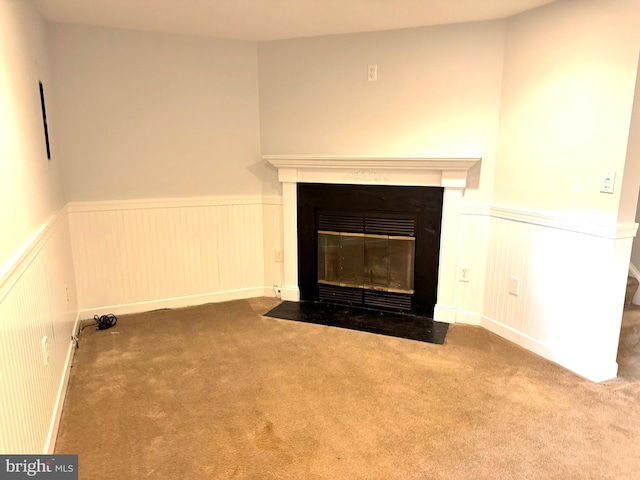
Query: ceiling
point(261, 20)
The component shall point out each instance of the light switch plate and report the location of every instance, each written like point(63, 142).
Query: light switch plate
point(608, 181)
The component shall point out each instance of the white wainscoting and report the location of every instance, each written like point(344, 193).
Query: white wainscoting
point(272, 227)
point(572, 280)
point(139, 255)
point(33, 304)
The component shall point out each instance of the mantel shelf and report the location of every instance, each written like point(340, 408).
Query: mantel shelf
point(371, 163)
point(418, 171)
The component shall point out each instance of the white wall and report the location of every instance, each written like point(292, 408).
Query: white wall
point(30, 186)
point(569, 79)
point(151, 115)
point(37, 287)
point(631, 173)
point(631, 176)
point(437, 94)
point(568, 85)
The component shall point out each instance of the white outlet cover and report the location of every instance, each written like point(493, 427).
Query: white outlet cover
point(514, 286)
point(372, 73)
point(45, 350)
point(464, 274)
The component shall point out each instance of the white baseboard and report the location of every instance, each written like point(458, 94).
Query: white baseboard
point(468, 318)
point(178, 302)
point(444, 313)
point(291, 294)
point(589, 368)
point(517, 337)
point(62, 394)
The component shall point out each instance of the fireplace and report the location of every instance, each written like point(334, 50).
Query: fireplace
point(448, 173)
point(372, 246)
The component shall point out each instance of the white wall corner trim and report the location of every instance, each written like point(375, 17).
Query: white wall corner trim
point(548, 219)
point(159, 203)
point(37, 303)
point(12, 272)
point(552, 220)
point(449, 173)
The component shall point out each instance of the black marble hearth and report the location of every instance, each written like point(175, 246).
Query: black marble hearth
point(412, 327)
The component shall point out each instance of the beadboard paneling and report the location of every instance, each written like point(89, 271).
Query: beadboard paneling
point(139, 255)
point(571, 293)
point(33, 304)
point(472, 254)
point(273, 230)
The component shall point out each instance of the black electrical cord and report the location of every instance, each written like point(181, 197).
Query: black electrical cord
point(105, 321)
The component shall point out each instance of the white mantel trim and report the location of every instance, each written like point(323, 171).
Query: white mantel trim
point(416, 171)
point(384, 163)
point(449, 173)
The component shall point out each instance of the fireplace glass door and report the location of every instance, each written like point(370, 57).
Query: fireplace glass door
point(366, 261)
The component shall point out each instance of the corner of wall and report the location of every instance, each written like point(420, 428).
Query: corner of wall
point(38, 306)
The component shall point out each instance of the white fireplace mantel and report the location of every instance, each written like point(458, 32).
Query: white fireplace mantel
point(450, 173)
point(444, 172)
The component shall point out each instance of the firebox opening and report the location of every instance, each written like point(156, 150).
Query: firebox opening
point(373, 262)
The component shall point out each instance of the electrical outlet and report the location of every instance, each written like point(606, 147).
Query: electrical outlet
point(514, 286)
point(464, 274)
point(372, 73)
point(278, 255)
point(45, 350)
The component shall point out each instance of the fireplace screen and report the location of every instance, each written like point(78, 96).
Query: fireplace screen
point(367, 261)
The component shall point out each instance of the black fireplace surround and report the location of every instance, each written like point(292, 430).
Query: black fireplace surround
point(419, 206)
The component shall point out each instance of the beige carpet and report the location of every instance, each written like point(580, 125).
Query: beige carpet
point(218, 391)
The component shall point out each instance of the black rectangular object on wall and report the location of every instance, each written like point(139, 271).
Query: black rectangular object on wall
point(44, 120)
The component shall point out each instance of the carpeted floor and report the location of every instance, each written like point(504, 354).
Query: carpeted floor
point(219, 391)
